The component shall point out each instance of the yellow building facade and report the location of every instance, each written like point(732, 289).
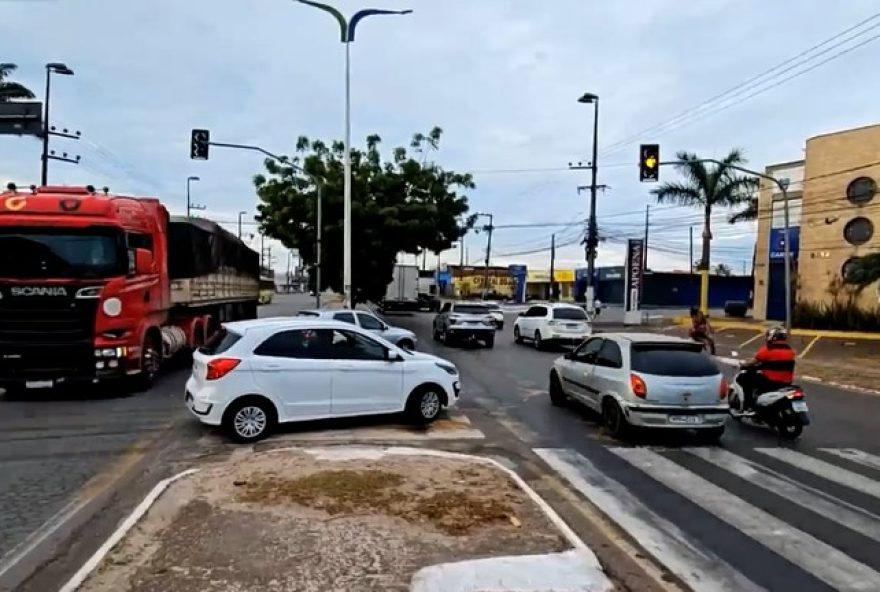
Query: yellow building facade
point(834, 211)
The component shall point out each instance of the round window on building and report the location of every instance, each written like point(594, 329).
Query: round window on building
point(858, 231)
point(861, 190)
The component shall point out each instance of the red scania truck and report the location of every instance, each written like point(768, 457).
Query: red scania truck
point(97, 287)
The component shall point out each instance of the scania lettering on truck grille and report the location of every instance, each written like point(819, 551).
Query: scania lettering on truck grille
point(19, 291)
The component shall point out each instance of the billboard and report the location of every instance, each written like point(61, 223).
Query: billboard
point(633, 280)
point(21, 118)
point(777, 242)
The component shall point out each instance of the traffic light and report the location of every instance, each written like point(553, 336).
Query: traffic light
point(198, 147)
point(649, 162)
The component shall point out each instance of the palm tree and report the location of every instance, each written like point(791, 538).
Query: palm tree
point(748, 213)
point(706, 187)
point(12, 90)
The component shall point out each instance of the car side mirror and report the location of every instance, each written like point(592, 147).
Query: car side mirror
point(143, 261)
point(522, 314)
point(393, 356)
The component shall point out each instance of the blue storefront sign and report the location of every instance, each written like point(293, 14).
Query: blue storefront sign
point(519, 274)
point(777, 242)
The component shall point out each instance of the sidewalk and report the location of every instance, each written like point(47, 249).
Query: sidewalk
point(345, 518)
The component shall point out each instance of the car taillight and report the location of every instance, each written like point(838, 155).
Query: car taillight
point(723, 388)
point(221, 367)
point(639, 388)
point(796, 394)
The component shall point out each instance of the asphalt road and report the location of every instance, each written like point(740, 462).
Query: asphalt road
point(754, 513)
point(58, 448)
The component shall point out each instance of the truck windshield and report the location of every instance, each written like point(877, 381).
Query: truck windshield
point(53, 253)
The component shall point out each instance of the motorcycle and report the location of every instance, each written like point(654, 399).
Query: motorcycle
point(784, 409)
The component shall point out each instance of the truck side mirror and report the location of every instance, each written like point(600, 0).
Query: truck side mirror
point(143, 262)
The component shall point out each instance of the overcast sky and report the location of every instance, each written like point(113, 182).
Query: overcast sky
point(501, 77)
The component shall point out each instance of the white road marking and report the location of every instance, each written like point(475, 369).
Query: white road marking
point(699, 568)
point(856, 456)
point(810, 554)
point(840, 511)
point(824, 469)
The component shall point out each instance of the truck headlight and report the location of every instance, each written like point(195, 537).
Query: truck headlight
point(112, 307)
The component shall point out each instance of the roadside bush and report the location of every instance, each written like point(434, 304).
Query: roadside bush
point(837, 316)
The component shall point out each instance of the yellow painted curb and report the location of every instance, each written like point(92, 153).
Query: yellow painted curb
point(759, 326)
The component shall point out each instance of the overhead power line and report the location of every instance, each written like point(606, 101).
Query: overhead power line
point(707, 106)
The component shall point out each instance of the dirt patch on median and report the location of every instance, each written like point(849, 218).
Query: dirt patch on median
point(284, 521)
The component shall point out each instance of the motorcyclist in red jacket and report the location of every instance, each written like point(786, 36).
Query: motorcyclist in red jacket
point(771, 369)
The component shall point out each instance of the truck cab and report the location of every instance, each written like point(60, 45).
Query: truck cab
point(85, 290)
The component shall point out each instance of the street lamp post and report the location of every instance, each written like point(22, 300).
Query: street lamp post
point(52, 68)
point(592, 228)
point(189, 180)
point(240, 214)
point(488, 229)
point(347, 29)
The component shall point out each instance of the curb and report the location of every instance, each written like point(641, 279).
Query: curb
point(45, 542)
point(94, 561)
point(89, 566)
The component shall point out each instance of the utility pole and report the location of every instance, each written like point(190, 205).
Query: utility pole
point(645, 252)
point(691, 254)
point(552, 267)
point(461, 252)
point(424, 259)
point(592, 228)
point(488, 229)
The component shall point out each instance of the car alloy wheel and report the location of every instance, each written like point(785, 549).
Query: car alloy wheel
point(429, 405)
point(517, 338)
point(613, 419)
point(539, 344)
point(557, 396)
point(250, 422)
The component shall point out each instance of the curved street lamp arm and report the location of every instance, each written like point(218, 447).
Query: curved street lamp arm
point(343, 26)
point(360, 15)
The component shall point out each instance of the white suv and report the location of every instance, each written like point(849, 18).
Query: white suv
point(254, 374)
point(554, 323)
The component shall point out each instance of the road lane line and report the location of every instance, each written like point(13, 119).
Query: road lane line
point(840, 511)
point(697, 567)
point(857, 456)
point(824, 469)
point(803, 550)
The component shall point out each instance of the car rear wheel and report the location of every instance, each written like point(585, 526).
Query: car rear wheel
point(613, 419)
point(424, 405)
point(711, 435)
point(490, 341)
point(249, 419)
point(539, 343)
point(557, 395)
point(517, 338)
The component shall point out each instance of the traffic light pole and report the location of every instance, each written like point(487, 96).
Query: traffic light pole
point(319, 190)
point(783, 187)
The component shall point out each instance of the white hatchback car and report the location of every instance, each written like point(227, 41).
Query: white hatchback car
point(643, 379)
point(552, 323)
point(255, 374)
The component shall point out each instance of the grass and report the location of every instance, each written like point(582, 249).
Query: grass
point(352, 492)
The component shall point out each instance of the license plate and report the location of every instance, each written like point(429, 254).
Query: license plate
point(685, 419)
point(38, 384)
point(799, 406)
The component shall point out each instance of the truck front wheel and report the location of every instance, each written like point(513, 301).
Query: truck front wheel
point(151, 361)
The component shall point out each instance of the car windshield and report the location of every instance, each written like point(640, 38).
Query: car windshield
point(569, 314)
point(54, 253)
point(672, 359)
point(475, 309)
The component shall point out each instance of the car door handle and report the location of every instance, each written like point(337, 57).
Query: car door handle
point(273, 367)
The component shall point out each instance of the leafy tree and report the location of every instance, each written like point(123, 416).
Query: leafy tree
point(861, 272)
point(722, 269)
point(406, 204)
point(12, 90)
point(706, 186)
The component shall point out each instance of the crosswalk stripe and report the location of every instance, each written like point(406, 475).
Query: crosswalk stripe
point(699, 568)
point(856, 456)
point(810, 554)
point(840, 511)
point(824, 469)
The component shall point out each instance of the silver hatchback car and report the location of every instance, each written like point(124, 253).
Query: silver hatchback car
point(644, 380)
point(399, 336)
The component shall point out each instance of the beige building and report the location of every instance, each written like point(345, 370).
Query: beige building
point(834, 211)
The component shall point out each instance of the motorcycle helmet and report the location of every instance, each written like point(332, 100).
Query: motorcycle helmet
point(777, 334)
